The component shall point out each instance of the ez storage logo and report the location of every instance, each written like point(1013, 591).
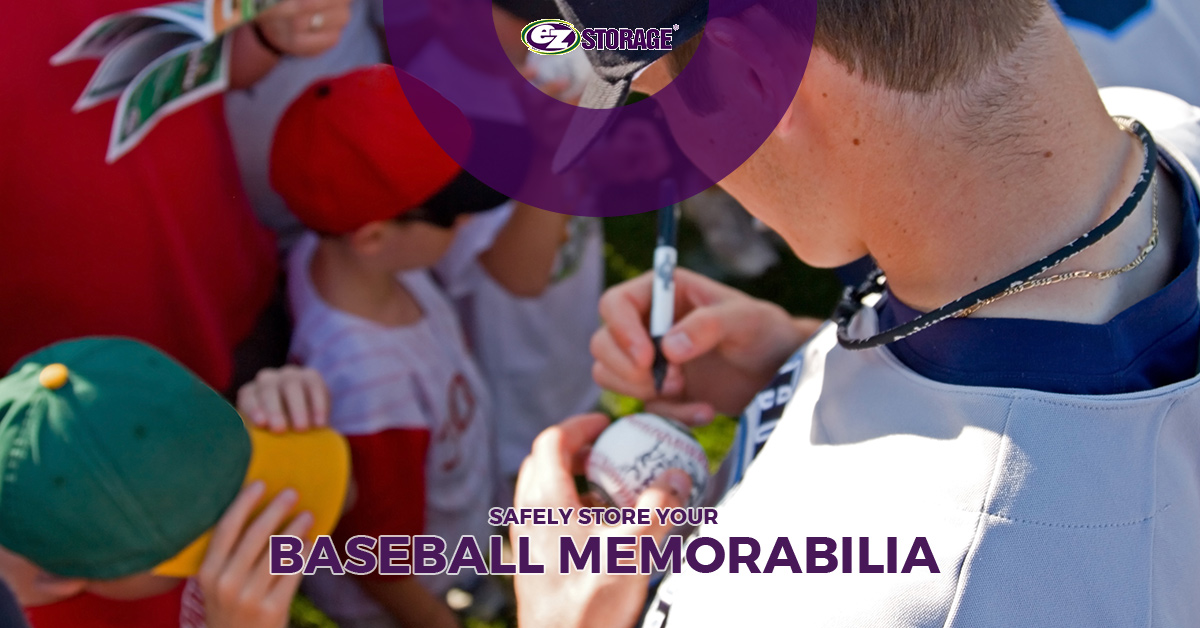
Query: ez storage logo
point(550, 37)
point(556, 37)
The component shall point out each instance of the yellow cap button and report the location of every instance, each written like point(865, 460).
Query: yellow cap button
point(54, 376)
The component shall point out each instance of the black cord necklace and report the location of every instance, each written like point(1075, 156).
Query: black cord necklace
point(876, 282)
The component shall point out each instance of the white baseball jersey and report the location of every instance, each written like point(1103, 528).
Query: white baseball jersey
point(1042, 509)
point(253, 113)
point(1153, 44)
point(533, 352)
point(416, 413)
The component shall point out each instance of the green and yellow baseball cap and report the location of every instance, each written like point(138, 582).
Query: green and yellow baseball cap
point(115, 459)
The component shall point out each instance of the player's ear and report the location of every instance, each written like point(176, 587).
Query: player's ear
point(821, 99)
point(55, 588)
point(653, 78)
point(786, 125)
point(368, 239)
point(756, 65)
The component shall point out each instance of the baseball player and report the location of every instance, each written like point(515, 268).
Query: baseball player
point(1123, 43)
point(1024, 394)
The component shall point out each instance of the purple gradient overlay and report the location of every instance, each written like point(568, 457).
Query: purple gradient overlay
point(447, 51)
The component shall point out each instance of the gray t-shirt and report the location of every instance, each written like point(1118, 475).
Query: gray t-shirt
point(253, 113)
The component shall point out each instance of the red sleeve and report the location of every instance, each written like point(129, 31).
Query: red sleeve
point(388, 468)
point(90, 611)
point(173, 255)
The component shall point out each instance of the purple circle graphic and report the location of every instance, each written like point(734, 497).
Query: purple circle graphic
point(663, 149)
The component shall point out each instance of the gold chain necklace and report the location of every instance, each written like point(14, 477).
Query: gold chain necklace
point(855, 297)
point(1082, 274)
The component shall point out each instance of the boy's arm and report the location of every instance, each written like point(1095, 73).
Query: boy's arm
point(522, 255)
point(409, 602)
point(295, 27)
point(389, 468)
point(388, 458)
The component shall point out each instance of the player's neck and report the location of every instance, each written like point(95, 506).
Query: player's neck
point(962, 213)
point(350, 286)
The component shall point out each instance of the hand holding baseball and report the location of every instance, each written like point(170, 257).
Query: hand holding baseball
point(305, 27)
point(723, 349)
point(288, 398)
point(577, 599)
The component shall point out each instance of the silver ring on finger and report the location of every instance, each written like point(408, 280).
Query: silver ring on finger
point(318, 21)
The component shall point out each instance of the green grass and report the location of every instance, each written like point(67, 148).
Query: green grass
point(305, 615)
point(471, 622)
point(800, 289)
point(716, 438)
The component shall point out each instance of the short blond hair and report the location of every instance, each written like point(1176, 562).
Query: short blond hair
point(915, 46)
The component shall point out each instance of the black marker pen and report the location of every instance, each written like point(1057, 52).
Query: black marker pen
point(662, 304)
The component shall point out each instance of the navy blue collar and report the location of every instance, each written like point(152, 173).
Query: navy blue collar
point(1154, 343)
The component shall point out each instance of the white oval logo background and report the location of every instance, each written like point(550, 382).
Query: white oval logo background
point(550, 37)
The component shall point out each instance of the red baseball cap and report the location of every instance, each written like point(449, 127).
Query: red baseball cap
point(350, 151)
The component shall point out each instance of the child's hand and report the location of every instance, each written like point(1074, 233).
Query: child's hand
point(239, 590)
point(287, 398)
point(305, 27)
point(579, 599)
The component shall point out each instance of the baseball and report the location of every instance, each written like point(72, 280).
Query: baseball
point(635, 450)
